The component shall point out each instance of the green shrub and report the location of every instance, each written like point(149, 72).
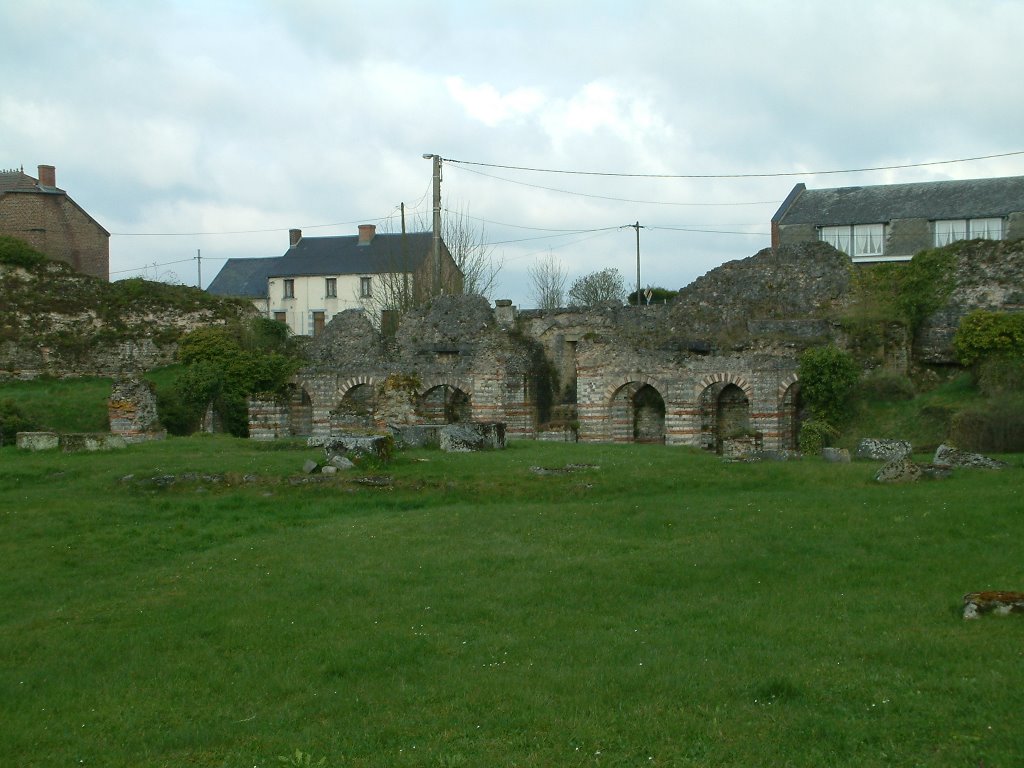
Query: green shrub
point(925, 284)
point(12, 421)
point(997, 426)
point(1001, 375)
point(224, 365)
point(886, 386)
point(18, 253)
point(815, 434)
point(983, 334)
point(828, 376)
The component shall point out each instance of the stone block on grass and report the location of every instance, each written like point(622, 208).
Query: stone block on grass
point(472, 436)
point(879, 449)
point(379, 447)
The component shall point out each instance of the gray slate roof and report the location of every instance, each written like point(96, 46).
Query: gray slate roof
point(324, 256)
point(967, 199)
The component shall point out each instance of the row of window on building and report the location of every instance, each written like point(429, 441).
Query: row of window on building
point(330, 288)
point(869, 239)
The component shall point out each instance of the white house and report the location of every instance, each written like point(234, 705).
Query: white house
point(318, 277)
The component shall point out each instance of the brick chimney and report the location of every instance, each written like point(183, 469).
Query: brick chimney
point(366, 233)
point(47, 176)
point(294, 235)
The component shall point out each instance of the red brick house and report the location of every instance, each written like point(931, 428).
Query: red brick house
point(45, 217)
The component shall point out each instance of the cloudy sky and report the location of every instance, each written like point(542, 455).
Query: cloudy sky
point(199, 125)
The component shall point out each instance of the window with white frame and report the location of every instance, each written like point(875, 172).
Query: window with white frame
point(950, 230)
point(331, 287)
point(858, 240)
point(365, 287)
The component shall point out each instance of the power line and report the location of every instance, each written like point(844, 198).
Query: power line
point(246, 231)
point(614, 199)
point(711, 231)
point(564, 233)
point(164, 264)
point(731, 175)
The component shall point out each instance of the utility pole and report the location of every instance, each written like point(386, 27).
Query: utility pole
point(199, 268)
point(437, 222)
point(637, 227)
point(405, 264)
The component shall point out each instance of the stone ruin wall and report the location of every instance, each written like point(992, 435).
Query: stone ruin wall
point(717, 366)
point(619, 374)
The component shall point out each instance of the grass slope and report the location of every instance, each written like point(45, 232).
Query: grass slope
point(659, 609)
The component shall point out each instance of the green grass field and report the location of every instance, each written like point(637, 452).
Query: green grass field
point(661, 608)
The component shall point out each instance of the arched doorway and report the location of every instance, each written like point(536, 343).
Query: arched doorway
point(354, 410)
point(444, 404)
point(637, 414)
point(789, 418)
point(724, 415)
point(300, 413)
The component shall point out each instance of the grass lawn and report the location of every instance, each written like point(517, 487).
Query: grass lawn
point(660, 608)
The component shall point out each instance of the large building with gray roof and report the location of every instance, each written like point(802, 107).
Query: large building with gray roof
point(892, 222)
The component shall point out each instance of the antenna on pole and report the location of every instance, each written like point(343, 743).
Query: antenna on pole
point(199, 268)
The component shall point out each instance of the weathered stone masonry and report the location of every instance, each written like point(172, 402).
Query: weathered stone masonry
point(461, 361)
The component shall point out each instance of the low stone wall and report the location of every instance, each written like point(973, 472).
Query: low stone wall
point(70, 443)
point(38, 441)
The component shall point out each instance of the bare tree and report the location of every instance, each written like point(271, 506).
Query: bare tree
point(599, 287)
point(468, 246)
point(547, 282)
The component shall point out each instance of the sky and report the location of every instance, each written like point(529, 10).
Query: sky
point(199, 127)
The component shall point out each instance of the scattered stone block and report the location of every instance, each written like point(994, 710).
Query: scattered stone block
point(340, 462)
point(37, 441)
point(948, 456)
point(472, 436)
point(309, 467)
point(417, 435)
point(899, 470)
point(377, 446)
point(878, 449)
point(329, 469)
point(977, 604)
point(835, 455)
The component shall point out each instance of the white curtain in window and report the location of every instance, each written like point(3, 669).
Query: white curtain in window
point(949, 230)
point(867, 240)
point(987, 229)
point(837, 237)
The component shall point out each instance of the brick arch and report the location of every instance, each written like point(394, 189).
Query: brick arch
point(351, 383)
point(445, 381)
point(786, 383)
point(622, 381)
point(724, 378)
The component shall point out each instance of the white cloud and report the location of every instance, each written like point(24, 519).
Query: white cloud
point(485, 103)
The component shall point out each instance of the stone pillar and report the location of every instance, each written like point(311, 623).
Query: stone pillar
point(268, 419)
point(132, 411)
